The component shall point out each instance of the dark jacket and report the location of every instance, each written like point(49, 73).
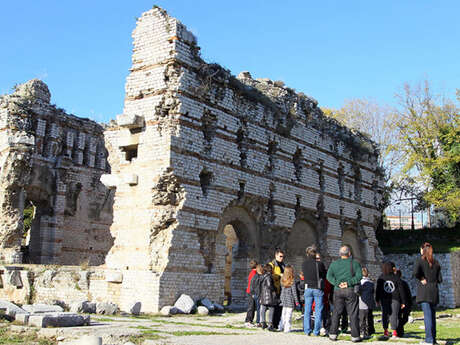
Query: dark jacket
point(300, 287)
point(389, 287)
point(289, 297)
point(267, 291)
point(429, 292)
point(309, 267)
point(408, 294)
point(255, 284)
point(366, 298)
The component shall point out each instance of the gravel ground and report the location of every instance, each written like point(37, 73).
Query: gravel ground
point(226, 329)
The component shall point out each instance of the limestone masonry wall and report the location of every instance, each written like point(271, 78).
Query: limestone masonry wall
point(198, 150)
point(206, 171)
point(52, 162)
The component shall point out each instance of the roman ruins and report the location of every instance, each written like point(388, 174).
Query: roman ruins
point(202, 172)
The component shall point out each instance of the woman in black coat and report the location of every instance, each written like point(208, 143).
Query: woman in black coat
point(267, 297)
point(428, 273)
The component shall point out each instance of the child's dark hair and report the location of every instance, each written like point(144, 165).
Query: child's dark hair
point(268, 268)
point(252, 264)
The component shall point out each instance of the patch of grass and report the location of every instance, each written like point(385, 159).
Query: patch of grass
point(29, 338)
point(140, 338)
point(187, 333)
point(105, 319)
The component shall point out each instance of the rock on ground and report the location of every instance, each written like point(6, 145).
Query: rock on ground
point(203, 310)
point(185, 304)
point(58, 320)
point(106, 308)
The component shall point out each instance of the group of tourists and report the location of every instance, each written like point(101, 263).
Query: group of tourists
point(340, 294)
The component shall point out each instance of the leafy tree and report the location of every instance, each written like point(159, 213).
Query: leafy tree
point(372, 120)
point(427, 129)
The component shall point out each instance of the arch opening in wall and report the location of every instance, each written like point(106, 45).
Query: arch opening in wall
point(303, 234)
point(350, 238)
point(238, 240)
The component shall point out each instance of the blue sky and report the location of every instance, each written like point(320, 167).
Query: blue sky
point(330, 50)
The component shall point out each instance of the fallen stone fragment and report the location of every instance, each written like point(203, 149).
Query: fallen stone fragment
point(22, 318)
point(106, 308)
point(11, 309)
point(83, 307)
point(218, 307)
point(166, 310)
point(58, 320)
point(135, 308)
point(184, 304)
point(42, 308)
point(203, 310)
point(207, 303)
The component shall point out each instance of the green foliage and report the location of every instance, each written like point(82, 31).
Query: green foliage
point(29, 213)
point(444, 240)
point(427, 128)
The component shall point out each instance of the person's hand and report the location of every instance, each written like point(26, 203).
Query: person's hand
point(423, 281)
point(343, 285)
point(403, 306)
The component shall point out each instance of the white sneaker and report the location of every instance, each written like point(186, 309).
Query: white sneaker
point(322, 332)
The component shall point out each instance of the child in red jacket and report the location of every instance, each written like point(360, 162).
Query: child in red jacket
point(251, 300)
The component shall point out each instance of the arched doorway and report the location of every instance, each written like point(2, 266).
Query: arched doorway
point(302, 235)
point(351, 239)
point(239, 242)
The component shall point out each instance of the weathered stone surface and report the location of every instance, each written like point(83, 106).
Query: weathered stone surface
point(166, 310)
point(22, 318)
point(11, 309)
point(202, 310)
point(114, 276)
point(83, 307)
point(207, 303)
point(42, 308)
point(135, 308)
point(58, 320)
point(184, 304)
point(106, 308)
point(218, 307)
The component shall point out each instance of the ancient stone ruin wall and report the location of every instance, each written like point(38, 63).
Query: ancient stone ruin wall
point(53, 161)
point(211, 171)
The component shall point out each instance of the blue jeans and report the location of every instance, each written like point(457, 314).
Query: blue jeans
point(310, 295)
point(429, 317)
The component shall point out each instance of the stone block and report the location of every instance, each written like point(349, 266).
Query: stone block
point(130, 121)
point(203, 310)
point(131, 179)
point(83, 307)
point(22, 318)
point(207, 303)
point(135, 308)
point(11, 309)
point(166, 310)
point(114, 276)
point(58, 320)
point(218, 307)
point(110, 180)
point(185, 304)
point(42, 308)
point(106, 308)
